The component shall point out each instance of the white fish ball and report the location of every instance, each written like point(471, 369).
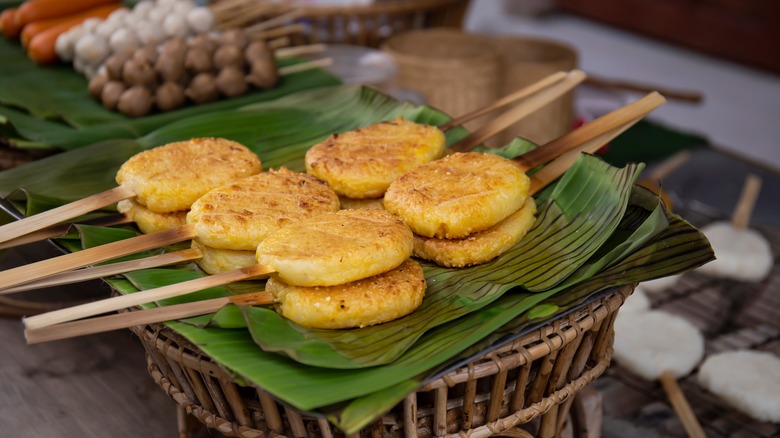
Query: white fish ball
point(200, 19)
point(90, 24)
point(147, 33)
point(174, 25)
point(141, 9)
point(92, 49)
point(122, 40)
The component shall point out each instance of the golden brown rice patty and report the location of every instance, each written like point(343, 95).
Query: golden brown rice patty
point(148, 221)
point(240, 215)
point(362, 163)
point(368, 203)
point(336, 248)
point(215, 261)
point(479, 247)
point(361, 303)
point(458, 195)
point(170, 178)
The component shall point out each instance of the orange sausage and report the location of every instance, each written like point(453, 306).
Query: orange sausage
point(41, 48)
point(37, 10)
point(8, 23)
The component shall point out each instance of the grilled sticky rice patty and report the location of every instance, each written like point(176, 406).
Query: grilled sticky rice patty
point(361, 303)
point(362, 163)
point(215, 261)
point(240, 215)
point(337, 248)
point(148, 221)
point(458, 195)
point(479, 247)
point(368, 203)
point(170, 178)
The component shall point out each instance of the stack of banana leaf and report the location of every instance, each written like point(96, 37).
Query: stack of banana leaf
point(595, 230)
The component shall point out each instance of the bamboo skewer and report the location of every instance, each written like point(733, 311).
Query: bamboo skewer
point(56, 325)
point(149, 316)
point(274, 22)
point(506, 100)
point(541, 94)
point(740, 219)
point(605, 123)
point(108, 270)
point(144, 297)
point(304, 66)
point(276, 32)
point(682, 408)
point(278, 43)
point(51, 217)
point(63, 213)
point(28, 273)
point(61, 230)
point(558, 167)
point(289, 52)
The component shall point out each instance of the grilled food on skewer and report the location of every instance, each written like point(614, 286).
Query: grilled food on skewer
point(148, 221)
point(326, 250)
point(164, 179)
point(231, 221)
point(747, 380)
point(172, 177)
point(360, 303)
point(479, 247)
point(361, 164)
point(458, 195)
point(448, 203)
point(375, 241)
point(742, 253)
point(45, 327)
point(214, 260)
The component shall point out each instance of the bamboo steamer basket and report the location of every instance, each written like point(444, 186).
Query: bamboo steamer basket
point(454, 72)
point(370, 25)
point(524, 61)
point(530, 381)
point(458, 72)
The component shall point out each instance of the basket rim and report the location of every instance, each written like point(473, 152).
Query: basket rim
point(395, 7)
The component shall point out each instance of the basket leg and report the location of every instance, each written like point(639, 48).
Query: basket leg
point(187, 424)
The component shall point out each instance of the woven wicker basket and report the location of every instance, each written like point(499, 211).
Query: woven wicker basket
point(454, 72)
point(459, 72)
point(364, 25)
point(534, 376)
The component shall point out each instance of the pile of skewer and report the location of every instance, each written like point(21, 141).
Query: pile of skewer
point(364, 247)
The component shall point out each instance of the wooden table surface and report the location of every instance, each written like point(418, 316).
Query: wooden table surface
point(94, 386)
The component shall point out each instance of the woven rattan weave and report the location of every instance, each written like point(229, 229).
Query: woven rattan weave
point(533, 376)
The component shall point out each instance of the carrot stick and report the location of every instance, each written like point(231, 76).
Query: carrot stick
point(41, 48)
point(34, 28)
point(8, 23)
point(32, 11)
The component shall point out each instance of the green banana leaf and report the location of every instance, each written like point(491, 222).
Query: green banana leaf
point(49, 107)
point(279, 132)
point(678, 248)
